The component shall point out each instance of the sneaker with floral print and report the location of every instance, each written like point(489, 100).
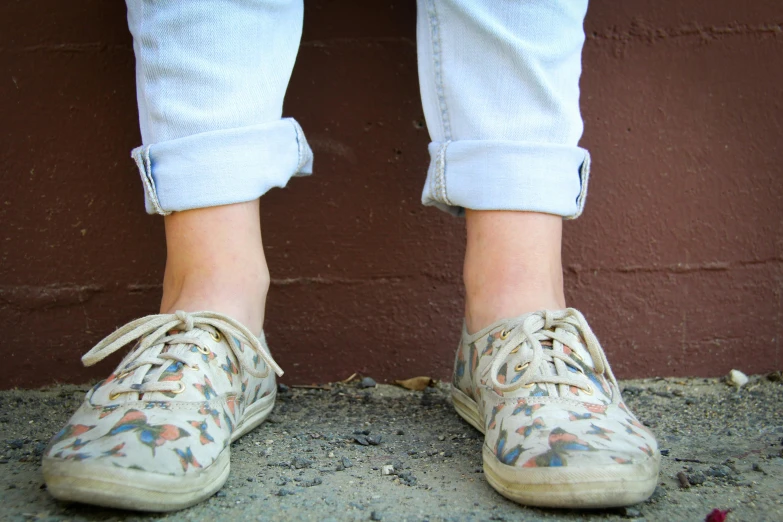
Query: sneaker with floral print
point(156, 434)
point(557, 432)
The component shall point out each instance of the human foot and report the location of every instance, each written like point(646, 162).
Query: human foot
point(155, 435)
point(557, 432)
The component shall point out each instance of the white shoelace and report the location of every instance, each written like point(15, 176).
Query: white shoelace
point(153, 330)
point(567, 327)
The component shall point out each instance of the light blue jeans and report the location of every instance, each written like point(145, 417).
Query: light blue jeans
point(499, 84)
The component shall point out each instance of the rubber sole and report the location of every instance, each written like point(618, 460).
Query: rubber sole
point(563, 487)
point(138, 490)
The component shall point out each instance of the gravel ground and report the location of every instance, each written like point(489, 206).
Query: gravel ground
point(321, 457)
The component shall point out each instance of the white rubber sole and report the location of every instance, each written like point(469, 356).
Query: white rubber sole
point(138, 490)
point(612, 486)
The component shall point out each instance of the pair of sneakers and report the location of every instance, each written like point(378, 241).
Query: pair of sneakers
point(156, 434)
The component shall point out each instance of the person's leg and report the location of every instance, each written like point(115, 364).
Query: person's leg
point(211, 77)
point(156, 434)
point(512, 265)
point(500, 89)
point(215, 261)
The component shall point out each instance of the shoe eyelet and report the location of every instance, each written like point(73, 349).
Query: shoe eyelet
point(193, 367)
point(203, 350)
point(123, 374)
point(529, 385)
point(589, 390)
point(515, 350)
point(520, 367)
point(113, 396)
point(215, 336)
point(504, 334)
point(179, 390)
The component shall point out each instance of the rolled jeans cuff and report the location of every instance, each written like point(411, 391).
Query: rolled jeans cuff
point(507, 175)
point(221, 167)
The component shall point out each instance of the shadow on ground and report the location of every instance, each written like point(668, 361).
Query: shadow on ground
point(310, 461)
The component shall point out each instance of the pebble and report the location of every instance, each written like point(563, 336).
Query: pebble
point(375, 516)
point(367, 382)
point(374, 440)
point(315, 481)
point(697, 478)
point(16, 443)
point(737, 378)
point(301, 463)
point(361, 439)
point(220, 494)
point(387, 470)
point(285, 492)
point(407, 478)
point(346, 462)
point(631, 512)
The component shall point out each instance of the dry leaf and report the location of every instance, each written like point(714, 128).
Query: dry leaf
point(416, 383)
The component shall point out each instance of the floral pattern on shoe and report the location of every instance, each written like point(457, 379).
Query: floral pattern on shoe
point(547, 397)
point(172, 405)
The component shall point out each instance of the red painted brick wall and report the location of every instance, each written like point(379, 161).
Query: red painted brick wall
point(677, 260)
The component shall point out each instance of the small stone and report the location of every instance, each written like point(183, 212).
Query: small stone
point(387, 470)
point(757, 467)
point(737, 378)
point(374, 440)
point(697, 478)
point(683, 480)
point(658, 494)
point(375, 516)
point(361, 439)
point(400, 432)
point(315, 481)
point(632, 512)
point(220, 494)
point(16, 443)
point(407, 478)
point(282, 388)
point(285, 492)
point(719, 471)
point(301, 463)
point(346, 462)
point(367, 382)
point(665, 452)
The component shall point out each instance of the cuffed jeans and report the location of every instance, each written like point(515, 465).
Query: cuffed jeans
point(499, 85)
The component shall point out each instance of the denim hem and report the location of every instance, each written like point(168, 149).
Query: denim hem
point(507, 175)
point(221, 167)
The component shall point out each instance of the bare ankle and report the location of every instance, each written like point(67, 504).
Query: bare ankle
point(512, 265)
point(216, 262)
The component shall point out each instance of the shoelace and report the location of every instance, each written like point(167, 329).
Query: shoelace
point(563, 326)
point(153, 330)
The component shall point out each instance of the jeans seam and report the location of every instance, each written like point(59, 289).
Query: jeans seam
point(437, 62)
point(584, 177)
point(300, 149)
point(142, 157)
point(440, 175)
